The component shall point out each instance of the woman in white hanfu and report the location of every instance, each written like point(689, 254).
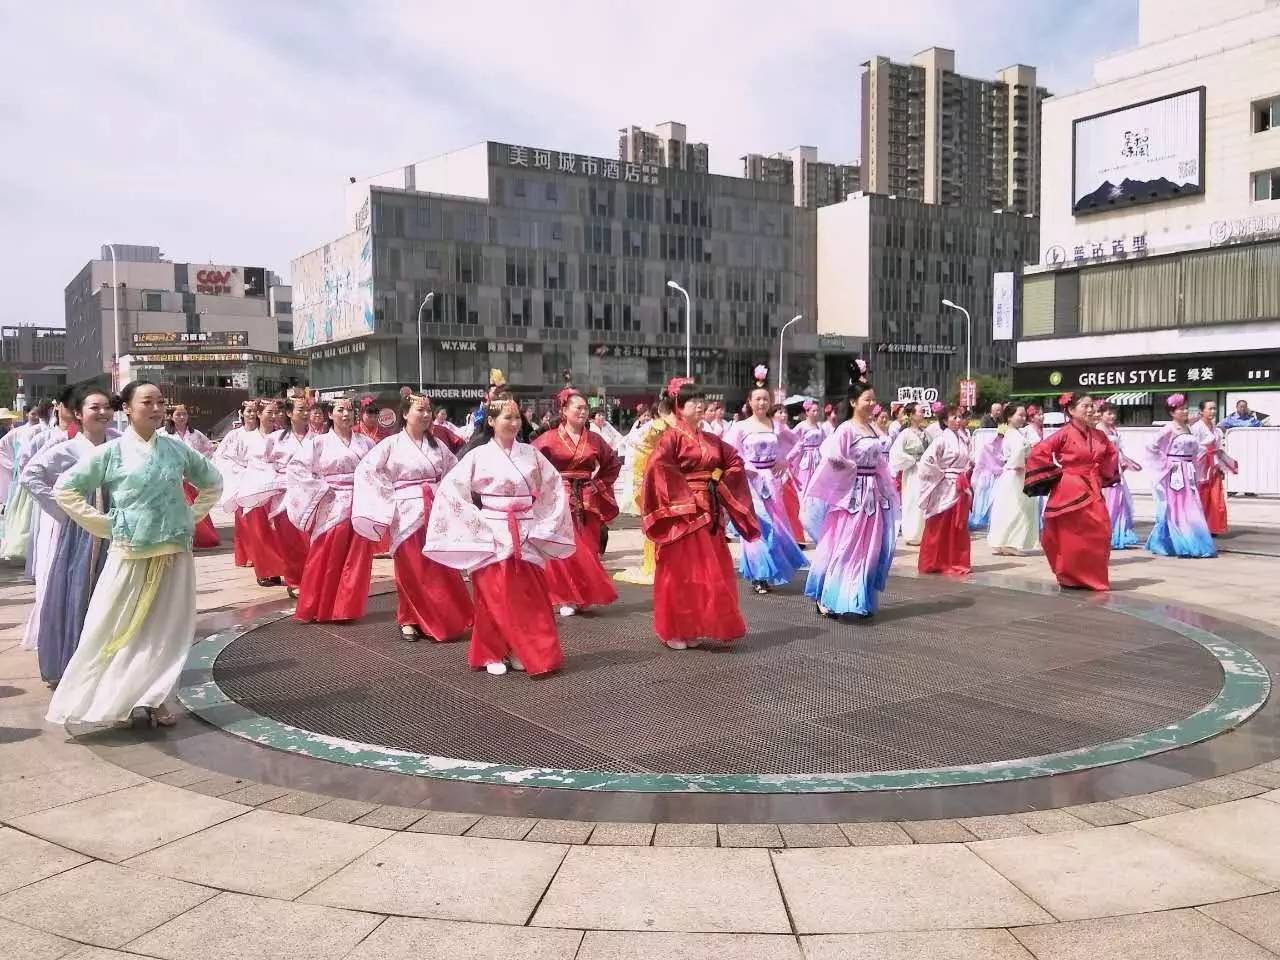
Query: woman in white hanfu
point(257, 489)
point(322, 475)
point(395, 490)
point(141, 619)
point(904, 459)
point(1015, 517)
point(501, 513)
point(230, 460)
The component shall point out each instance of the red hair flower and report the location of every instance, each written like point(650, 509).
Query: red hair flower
point(1032, 410)
point(1064, 401)
point(673, 387)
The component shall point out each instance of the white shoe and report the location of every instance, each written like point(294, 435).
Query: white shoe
point(677, 645)
point(516, 664)
point(497, 669)
point(567, 611)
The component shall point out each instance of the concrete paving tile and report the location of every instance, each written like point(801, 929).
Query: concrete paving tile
point(100, 953)
point(235, 927)
point(445, 878)
point(1192, 796)
point(446, 823)
point(622, 834)
point(812, 835)
point(28, 859)
point(31, 794)
point(19, 941)
point(996, 828)
point(1051, 821)
point(185, 776)
point(296, 803)
point(1233, 788)
point(255, 794)
point(750, 835)
point(401, 938)
point(342, 810)
point(936, 831)
point(218, 786)
point(561, 831)
point(623, 945)
point(935, 945)
point(921, 887)
point(677, 889)
point(502, 828)
point(41, 754)
point(101, 903)
point(119, 825)
point(1103, 814)
point(1151, 805)
point(1273, 796)
point(1244, 834)
point(685, 835)
point(1264, 778)
point(1111, 871)
point(874, 834)
point(1257, 918)
point(390, 818)
point(263, 853)
point(1175, 935)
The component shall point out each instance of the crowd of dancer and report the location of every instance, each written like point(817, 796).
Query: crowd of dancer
point(107, 521)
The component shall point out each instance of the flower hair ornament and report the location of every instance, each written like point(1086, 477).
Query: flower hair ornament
point(877, 410)
point(810, 405)
point(1032, 410)
point(936, 408)
point(1064, 400)
point(1175, 401)
point(565, 395)
point(827, 409)
point(761, 373)
point(366, 401)
point(497, 378)
point(673, 387)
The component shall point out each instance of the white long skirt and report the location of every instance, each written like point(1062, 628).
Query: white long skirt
point(912, 516)
point(98, 687)
point(1015, 520)
point(46, 545)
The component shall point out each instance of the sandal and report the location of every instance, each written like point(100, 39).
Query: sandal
point(161, 716)
point(410, 634)
point(760, 587)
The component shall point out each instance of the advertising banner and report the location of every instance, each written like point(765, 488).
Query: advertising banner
point(333, 291)
point(1002, 307)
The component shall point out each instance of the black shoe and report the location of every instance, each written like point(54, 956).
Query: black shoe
point(760, 587)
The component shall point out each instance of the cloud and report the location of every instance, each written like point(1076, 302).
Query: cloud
point(225, 131)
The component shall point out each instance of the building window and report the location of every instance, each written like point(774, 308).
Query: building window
point(520, 187)
point(151, 302)
point(1266, 114)
point(1266, 185)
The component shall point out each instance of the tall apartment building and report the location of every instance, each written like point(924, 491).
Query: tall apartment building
point(930, 134)
point(37, 357)
point(668, 147)
point(815, 183)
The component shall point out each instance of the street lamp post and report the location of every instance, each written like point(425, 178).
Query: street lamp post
point(115, 320)
point(968, 338)
point(425, 300)
point(781, 369)
point(688, 328)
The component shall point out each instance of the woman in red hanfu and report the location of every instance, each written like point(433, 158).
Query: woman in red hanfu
point(945, 498)
point(1075, 464)
point(693, 484)
point(1213, 467)
point(589, 468)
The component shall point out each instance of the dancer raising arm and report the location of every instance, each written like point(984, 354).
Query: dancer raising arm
point(1074, 466)
point(589, 468)
point(501, 513)
point(335, 579)
point(395, 491)
point(141, 618)
point(693, 484)
point(851, 563)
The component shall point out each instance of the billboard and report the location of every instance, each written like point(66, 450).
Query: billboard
point(1002, 306)
point(1141, 153)
point(333, 291)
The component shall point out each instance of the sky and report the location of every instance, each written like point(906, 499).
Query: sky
point(224, 131)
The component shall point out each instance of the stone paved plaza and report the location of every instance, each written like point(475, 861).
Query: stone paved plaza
point(200, 844)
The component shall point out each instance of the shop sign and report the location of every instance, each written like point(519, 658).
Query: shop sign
point(480, 346)
point(1244, 230)
point(218, 281)
point(532, 158)
point(274, 359)
point(341, 350)
point(203, 338)
point(1058, 255)
point(647, 352)
point(933, 348)
point(1164, 374)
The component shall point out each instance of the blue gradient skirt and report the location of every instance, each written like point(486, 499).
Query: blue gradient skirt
point(851, 563)
point(1180, 530)
point(775, 557)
